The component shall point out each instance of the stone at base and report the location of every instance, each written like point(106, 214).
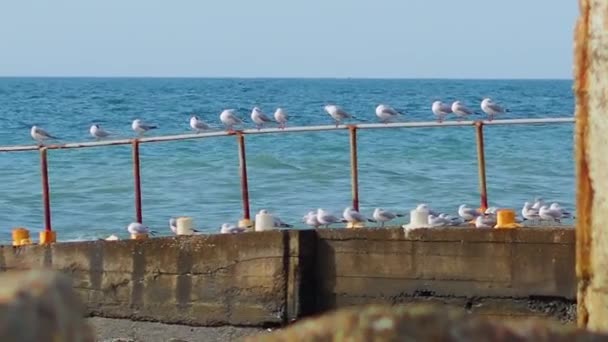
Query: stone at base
point(141, 236)
point(41, 306)
point(355, 225)
point(48, 236)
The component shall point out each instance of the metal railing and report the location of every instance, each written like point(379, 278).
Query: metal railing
point(240, 135)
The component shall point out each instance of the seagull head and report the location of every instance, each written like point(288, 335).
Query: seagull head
point(263, 212)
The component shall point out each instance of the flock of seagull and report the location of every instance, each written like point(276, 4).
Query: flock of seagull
point(230, 119)
point(538, 211)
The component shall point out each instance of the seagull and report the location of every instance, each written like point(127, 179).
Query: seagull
point(382, 216)
point(259, 118)
point(425, 207)
point(440, 109)
point(353, 216)
point(529, 213)
point(310, 219)
point(451, 220)
point(547, 214)
point(557, 207)
point(460, 110)
point(280, 117)
point(40, 135)
point(483, 221)
point(325, 218)
point(436, 221)
point(337, 113)
point(140, 127)
point(538, 202)
point(491, 211)
point(467, 214)
point(229, 119)
point(386, 113)
point(173, 226)
point(491, 108)
point(228, 228)
point(197, 124)
point(138, 228)
point(97, 132)
point(277, 222)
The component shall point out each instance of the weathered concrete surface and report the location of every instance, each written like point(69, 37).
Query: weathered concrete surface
point(591, 89)
point(200, 280)
point(490, 272)
point(272, 278)
point(421, 323)
point(38, 306)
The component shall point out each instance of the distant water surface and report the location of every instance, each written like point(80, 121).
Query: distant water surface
point(290, 174)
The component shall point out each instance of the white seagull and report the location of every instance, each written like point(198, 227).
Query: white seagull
point(259, 118)
point(138, 228)
point(197, 124)
point(383, 216)
point(538, 202)
point(337, 113)
point(484, 221)
point(310, 219)
point(229, 119)
point(352, 216)
point(325, 218)
point(491, 108)
point(277, 222)
point(386, 113)
point(40, 135)
point(467, 214)
point(425, 207)
point(460, 110)
point(557, 207)
point(97, 132)
point(437, 221)
point(228, 228)
point(140, 127)
point(529, 213)
point(547, 214)
point(440, 110)
point(280, 116)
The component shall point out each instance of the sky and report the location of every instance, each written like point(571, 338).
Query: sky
point(288, 38)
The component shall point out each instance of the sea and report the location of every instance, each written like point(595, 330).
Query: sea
point(289, 174)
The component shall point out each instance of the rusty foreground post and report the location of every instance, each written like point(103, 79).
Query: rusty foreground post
point(46, 195)
point(246, 221)
point(481, 165)
point(354, 168)
point(137, 179)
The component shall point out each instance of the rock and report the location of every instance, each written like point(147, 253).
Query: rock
point(40, 306)
point(421, 323)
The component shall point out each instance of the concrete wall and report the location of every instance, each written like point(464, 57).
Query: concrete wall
point(275, 277)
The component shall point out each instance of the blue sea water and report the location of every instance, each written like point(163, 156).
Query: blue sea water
point(289, 174)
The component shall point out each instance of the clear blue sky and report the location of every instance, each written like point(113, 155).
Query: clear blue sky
point(276, 38)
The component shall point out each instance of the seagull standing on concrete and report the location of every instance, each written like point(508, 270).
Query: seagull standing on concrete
point(325, 218)
point(138, 228)
point(40, 134)
point(228, 228)
point(140, 127)
point(383, 216)
point(386, 113)
point(529, 213)
point(337, 113)
point(460, 110)
point(491, 108)
point(229, 119)
point(548, 214)
point(468, 214)
point(259, 118)
point(197, 124)
point(538, 202)
point(310, 219)
point(280, 116)
point(558, 208)
point(353, 216)
point(483, 221)
point(440, 110)
point(97, 132)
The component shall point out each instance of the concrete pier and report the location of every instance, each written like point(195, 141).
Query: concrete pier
point(274, 277)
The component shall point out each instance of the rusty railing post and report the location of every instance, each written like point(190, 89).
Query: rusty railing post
point(481, 165)
point(354, 168)
point(240, 138)
point(46, 195)
point(137, 179)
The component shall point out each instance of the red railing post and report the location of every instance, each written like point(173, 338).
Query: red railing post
point(240, 138)
point(354, 168)
point(46, 194)
point(137, 179)
point(481, 165)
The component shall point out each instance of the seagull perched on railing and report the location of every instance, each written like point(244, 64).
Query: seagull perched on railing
point(97, 132)
point(337, 113)
point(280, 117)
point(229, 119)
point(140, 127)
point(460, 110)
point(386, 113)
point(491, 108)
point(440, 109)
point(40, 134)
point(197, 124)
point(259, 118)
